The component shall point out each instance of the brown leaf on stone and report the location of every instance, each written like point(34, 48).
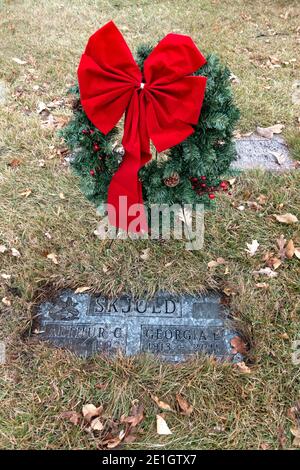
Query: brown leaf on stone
point(185, 407)
point(71, 416)
point(238, 345)
point(90, 411)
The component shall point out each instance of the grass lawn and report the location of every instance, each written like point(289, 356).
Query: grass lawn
point(42, 211)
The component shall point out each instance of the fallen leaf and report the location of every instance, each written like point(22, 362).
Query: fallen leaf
point(14, 163)
point(136, 416)
point(97, 425)
point(105, 269)
point(19, 61)
point(280, 157)
point(274, 262)
point(238, 345)
point(80, 290)
point(252, 247)
point(286, 218)
point(71, 416)
point(5, 276)
point(161, 426)
point(62, 196)
point(3, 249)
point(241, 366)
point(6, 301)
point(26, 193)
point(167, 265)
point(53, 257)
point(297, 253)
point(281, 241)
point(262, 285)
point(266, 272)
point(262, 199)
point(161, 404)
point(214, 264)
point(267, 132)
point(290, 249)
point(185, 407)
point(145, 254)
point(113, 443)
point(41, 107)
point(15, 252)
point(90, 411)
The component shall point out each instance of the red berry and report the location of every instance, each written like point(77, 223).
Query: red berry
point(193, 187)
point(92, 172)
point(203, 185)
point(203, 178)
point(92, 131)
point(223, 184)
point(85, 131)
point(96, 147)
point(194, 179)
point(211, 196)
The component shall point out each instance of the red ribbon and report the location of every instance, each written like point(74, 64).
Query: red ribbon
point(163, 104)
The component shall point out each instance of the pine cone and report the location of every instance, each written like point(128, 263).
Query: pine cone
point(172, 180)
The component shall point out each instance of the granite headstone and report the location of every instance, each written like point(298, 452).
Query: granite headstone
point(171, 326)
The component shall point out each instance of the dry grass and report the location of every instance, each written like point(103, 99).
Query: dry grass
point(38, 383)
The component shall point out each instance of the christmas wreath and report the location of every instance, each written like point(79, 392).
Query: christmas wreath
point(187, 173)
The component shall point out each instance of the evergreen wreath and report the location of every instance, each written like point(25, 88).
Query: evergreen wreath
point(188, 173)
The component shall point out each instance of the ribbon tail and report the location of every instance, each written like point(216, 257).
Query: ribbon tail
point(125, 201)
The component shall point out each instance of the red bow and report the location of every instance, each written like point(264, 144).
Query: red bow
point(162, 104)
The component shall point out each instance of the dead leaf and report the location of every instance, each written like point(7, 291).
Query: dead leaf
point(15, 252)
point(262, 285)
point(185, 407)
point(262, 199)
point(53, 257)
point(241, 366)
point(6, 276)
point(266, 272)
point(214, 264)
point(41, 107)
point(71, 416)
point(161, 426)
point(267, 132)
point(238, 345)
point(6, 301)
point(14, 163)
point(281, 241)
point(287, 218)
point(290, 249)
point(19, 61)
point(113, 443)
point(252, 247)
point(280, 157)
point(105, 269)
point(26, 193)
point(3, 249)
point(136, 415)
point(145, 254)
point(297, 253)
point(274, 262)
point(80, 290)
point(96, 425)
point(62, 196)
point(161, 404)
point(90, 411)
